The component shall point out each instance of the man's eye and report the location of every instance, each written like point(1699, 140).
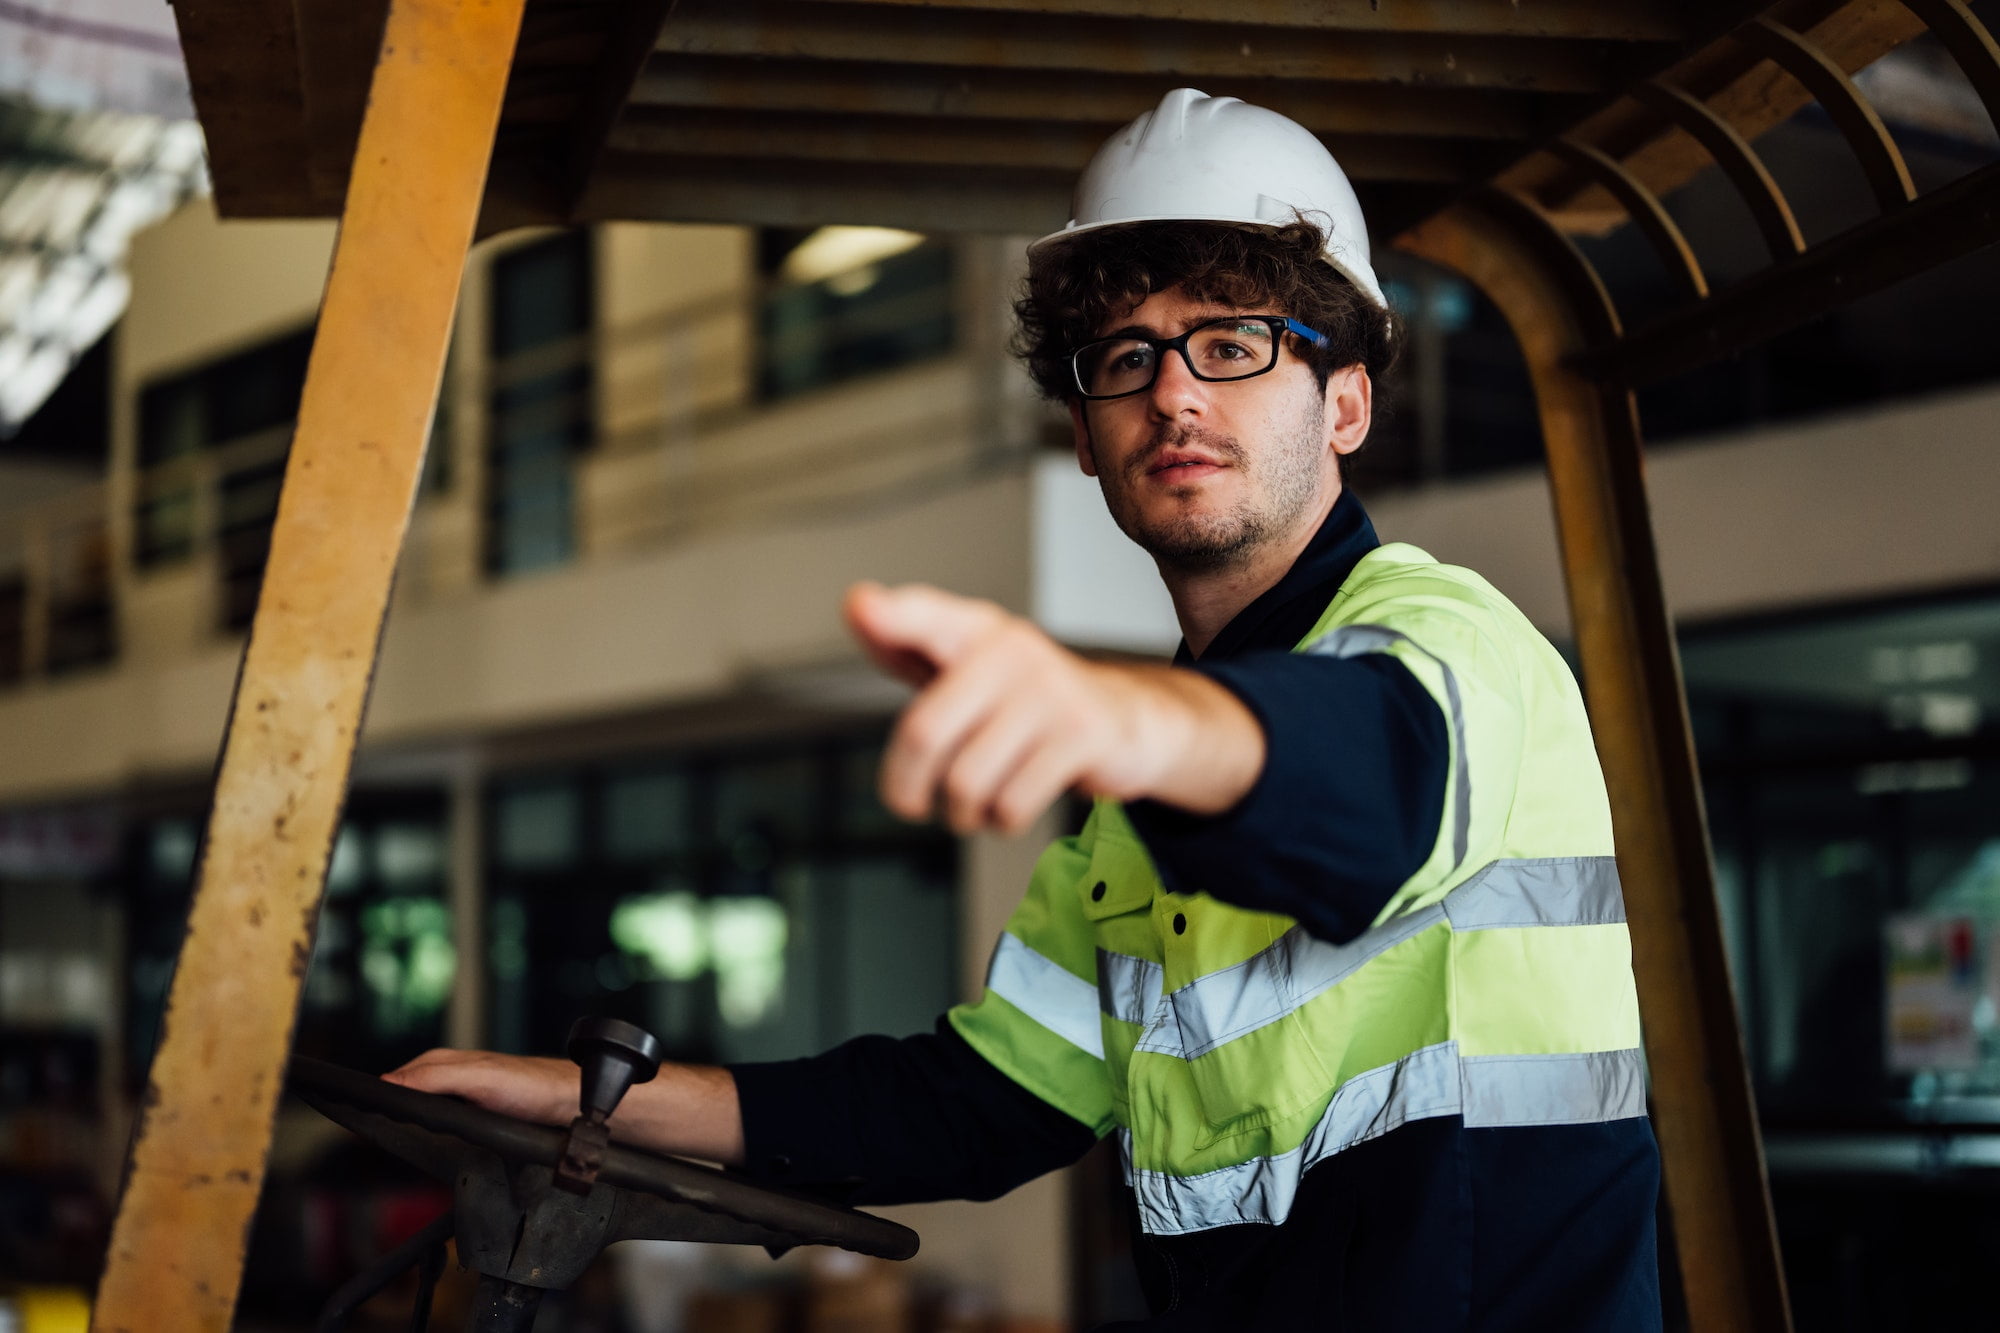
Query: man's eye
point(1138, 358)
point(1224, 351)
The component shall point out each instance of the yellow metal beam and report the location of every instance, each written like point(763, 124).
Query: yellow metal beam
point(199, 1151)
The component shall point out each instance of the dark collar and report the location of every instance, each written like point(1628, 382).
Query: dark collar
point(1293, 605)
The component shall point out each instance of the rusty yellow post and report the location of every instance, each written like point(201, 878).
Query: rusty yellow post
point(198, 1152)
point(1703, 1111)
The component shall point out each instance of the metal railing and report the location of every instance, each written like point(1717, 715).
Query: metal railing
point(217, 504)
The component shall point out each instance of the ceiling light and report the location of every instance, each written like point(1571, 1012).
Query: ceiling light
point(835, 250)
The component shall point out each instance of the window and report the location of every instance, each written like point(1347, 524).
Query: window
point(540, 405)
point(1854, 796)
point(739, 905)
point(1458, 402)
point(238, 412)
point(841, 302)
point(227, 426)
point(1853, 787)
point(13, 627)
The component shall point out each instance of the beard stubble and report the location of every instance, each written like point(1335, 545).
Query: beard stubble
point(1282, 485)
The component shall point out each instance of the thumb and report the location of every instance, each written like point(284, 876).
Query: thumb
point(915, 631)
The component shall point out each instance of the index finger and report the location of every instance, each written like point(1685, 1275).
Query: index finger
point(916, 622)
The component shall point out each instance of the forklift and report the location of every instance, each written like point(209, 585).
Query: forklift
point(1485, 136)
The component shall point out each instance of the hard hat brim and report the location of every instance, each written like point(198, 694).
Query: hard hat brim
point(1364, 280)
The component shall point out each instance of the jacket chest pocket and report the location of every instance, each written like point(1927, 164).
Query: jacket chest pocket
point(1249, 1057)
point(1118, 883)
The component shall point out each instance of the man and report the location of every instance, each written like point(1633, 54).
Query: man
point(1340, 954)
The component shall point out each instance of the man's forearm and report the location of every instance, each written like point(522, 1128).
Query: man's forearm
point(687, 1110)
point(1207, 747)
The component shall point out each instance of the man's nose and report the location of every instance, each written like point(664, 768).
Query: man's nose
point(1175, 389)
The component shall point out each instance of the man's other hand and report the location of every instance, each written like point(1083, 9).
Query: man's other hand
point(1006, 720)
point(526, 1087)
point(686, 1109)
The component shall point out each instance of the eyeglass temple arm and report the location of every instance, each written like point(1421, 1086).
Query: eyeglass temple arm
point(1311, 335)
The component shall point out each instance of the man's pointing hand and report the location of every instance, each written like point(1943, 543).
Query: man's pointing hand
point(1006, 720)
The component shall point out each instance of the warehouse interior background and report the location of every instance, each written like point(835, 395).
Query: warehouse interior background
point(619, 756)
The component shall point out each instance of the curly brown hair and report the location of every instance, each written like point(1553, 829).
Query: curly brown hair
point(1075, 288)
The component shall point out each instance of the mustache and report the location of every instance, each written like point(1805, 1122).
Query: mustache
point(1225, 447)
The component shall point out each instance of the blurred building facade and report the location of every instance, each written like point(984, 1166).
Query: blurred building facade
point(619, 755)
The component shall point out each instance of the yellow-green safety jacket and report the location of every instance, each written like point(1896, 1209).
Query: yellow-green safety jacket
point(1232, 1051)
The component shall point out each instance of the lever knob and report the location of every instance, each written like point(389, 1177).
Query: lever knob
point(613, 1056)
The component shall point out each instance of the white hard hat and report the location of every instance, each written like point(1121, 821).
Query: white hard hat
point(1197, 158)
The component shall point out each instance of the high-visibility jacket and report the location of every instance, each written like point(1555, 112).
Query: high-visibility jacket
point(1231, 1051)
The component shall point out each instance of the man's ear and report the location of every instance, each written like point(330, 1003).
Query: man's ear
point(1084, 459)
point(1350, 404)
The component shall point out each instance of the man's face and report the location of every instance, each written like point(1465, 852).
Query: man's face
point(1201, 474)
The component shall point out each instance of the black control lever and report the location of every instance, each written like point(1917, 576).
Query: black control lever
point(613, 1055)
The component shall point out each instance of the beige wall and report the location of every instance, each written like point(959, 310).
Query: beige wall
point(202, 288)
point(736, 612)
point(25, 482)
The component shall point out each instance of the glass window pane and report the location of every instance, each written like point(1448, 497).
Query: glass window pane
point(536, 828)
point(174, 842)
point(872, 317)
point(773, 967)
point(717, 900)
point(410, 857)
point(862, 814)
point(647, 816)
point(899, 948)
point(763, 803)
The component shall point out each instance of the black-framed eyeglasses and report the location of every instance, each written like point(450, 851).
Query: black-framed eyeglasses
point(1234, 347)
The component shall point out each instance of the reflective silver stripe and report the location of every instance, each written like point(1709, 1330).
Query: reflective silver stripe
point(1264, 987)
point(1490, 1091)
point(1047, 992)
point(1353, 641)
point(1260, 990)
point(1553, 1089)
point(1128, 988)
point(1552, 891)
point(1423, 1083)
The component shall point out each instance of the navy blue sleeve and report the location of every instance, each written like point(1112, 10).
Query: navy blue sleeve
point(1346, 809)
point(882, 1120)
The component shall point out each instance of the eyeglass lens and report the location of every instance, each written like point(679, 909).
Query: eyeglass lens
point(1223, 349)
